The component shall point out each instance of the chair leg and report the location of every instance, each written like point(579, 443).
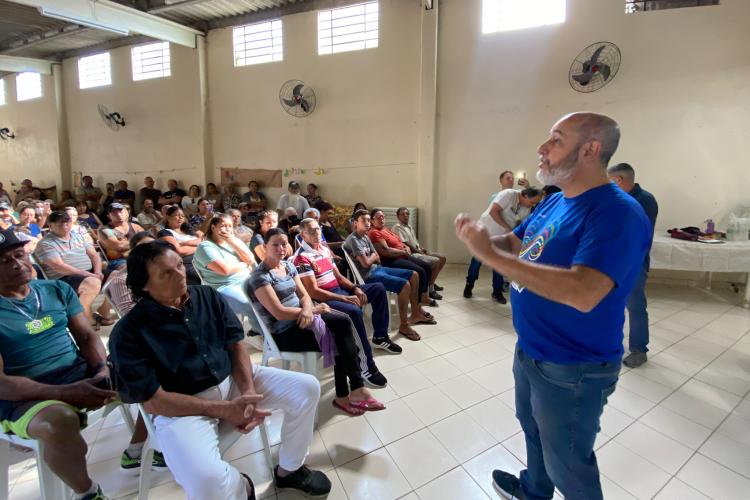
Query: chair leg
point(4, 469)
point(127, 417)
point(144, 483)
point(266, 446)
point(52, 487)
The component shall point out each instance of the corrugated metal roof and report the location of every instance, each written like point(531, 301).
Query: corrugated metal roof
point(210, 10)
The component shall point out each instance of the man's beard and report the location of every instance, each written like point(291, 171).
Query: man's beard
point(561, 174)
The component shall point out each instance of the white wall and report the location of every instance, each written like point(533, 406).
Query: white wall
point(33, 153)
point(682, 98)
point(363, 131)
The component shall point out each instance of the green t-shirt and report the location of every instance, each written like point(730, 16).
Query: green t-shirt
point(31, 348)
point(208, 252)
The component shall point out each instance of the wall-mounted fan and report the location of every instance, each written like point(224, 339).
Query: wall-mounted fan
point(594, 67)
point(296, 98)
point(6, 133)
point(113, 120)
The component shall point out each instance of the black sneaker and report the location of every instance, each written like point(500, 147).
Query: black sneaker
point(375, 379)
point(96, 496)
point(507, 485)
point(436, 296)
point(467, 291)
point(499, 297)
point(387, 345)
point(311, 483)
point(635, 359)
point(437, 288)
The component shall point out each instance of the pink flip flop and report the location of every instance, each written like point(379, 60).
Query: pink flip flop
point(369, 404)
point(350, 409)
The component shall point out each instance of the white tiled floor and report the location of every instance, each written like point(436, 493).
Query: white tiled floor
point(677, 428)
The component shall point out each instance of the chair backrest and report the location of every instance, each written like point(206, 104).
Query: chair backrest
point(353, 268)
point(107, 292)
point(268, 341)
point(38, 266)
point(198, 272)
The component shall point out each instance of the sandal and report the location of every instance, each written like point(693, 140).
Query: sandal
point(369, 404)
point(411, 335)
point(251, 496)
point(428, 321)
point(349, 409)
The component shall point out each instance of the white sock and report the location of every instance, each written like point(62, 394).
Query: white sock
point(135, 449)
point(94, 488)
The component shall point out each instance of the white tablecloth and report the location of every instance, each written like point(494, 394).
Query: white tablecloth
point(670, 253)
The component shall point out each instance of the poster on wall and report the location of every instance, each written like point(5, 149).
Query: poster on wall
point(241, 176)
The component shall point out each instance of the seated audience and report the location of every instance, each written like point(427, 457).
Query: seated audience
point(403, 282)
point(89, 193)
point(200, 218)
point(5, 196)
point(149, 217)
point(393, 253)
point(76, 228)
point(312, 195)
point(24, 192)
point(211, 379)
point(50, 377)
point(67, 256)
point(266, 221)
point(284, 305)
point(330, 233)
point(293, 199)
point(106, 199)
point(66, 200)
point(215, 198)
point(324, 283)
point(173, 194)
point(230, 199)
point(244, 233)
point(290, 222)
point(257, 201)
point(408, 237)
point(189, 203)
point(27, 221)
point(181, 236)
point(507, 181)
point(357, 206)
point(7, 219)
point(248, 218)
point(163, 213)
point(148, 192)
point(42, 209)
point(114, 238)
point(124, 195)
point(86, 218)
point(224, 263)
point(119, 293)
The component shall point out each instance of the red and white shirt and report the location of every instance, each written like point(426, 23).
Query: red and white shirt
point(318, 263)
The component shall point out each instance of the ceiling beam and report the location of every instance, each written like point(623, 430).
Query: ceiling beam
point(104, 46)
point(13, 64)
point(37, 39)
point(108, 15)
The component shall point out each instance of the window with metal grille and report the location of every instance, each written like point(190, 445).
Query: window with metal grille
point(258, 43)
point(151, 61)
point(348, 28)
point(508, 15)
point(28, 86)
point(94, 71)
point(2, 91)
point(632, 6)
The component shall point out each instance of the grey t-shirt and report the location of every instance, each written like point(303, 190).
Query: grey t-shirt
point(360, 245)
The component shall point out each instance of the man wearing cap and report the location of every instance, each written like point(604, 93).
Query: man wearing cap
point(48, 377)
point(115, 236)
point(292, 199)
point(68, 257)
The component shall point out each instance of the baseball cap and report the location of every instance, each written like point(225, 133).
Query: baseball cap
point(9, 240)
point(4, 206)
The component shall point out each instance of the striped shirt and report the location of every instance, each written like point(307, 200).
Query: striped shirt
point(285, 288)
point(71, 251)
point(118, 291)
point(318, 264)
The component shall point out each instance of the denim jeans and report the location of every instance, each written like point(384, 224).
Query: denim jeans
point(559, 407)
point(473, 275)
point(638, 315)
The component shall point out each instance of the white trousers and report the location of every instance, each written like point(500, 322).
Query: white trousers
point(191, 444)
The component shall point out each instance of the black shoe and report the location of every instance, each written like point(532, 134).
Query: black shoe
point(252, 333)
point(375, 379)
point(311, 483)
point(436, 296)
point(387, 345)
point(499, 297)
point(437, 288)
point(507, 485)
point(635, 359)
point(98, 495)
point(467, 291)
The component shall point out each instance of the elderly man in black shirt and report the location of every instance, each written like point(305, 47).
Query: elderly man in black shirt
point(179, 351)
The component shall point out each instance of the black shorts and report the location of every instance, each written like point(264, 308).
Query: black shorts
point(74, 280)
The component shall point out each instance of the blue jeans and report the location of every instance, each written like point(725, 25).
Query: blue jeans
point(393, 279)
point(559, 407)
point(377, 297)
point(473, 275)
point(638, 315)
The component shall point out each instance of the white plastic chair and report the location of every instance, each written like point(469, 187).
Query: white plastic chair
point(51, 486)
point(226, 440)
point(359, 281)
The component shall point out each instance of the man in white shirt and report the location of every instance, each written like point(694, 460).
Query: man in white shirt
point(506, 211)
point(292, 199)
point(149, 217)
point(408, 236)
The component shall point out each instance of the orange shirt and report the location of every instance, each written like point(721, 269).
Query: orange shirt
point(385, 234)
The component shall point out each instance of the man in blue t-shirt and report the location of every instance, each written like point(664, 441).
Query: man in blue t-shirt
point(573, 263)
point(623, 175)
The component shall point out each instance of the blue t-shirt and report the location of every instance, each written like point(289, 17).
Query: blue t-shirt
point(603, 228)
point(30, 349)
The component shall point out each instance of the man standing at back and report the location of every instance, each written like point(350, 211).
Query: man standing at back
point(623, 175)
point(573, 263)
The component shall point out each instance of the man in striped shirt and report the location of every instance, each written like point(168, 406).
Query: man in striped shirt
point(67, 256)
